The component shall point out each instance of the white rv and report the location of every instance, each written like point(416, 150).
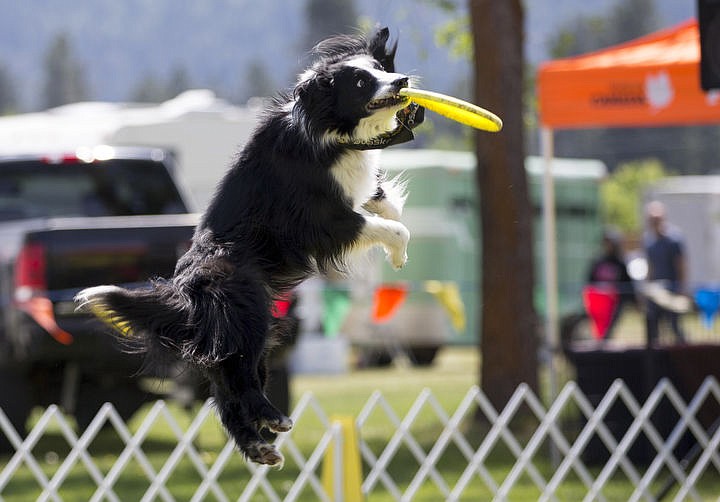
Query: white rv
point(203, 131)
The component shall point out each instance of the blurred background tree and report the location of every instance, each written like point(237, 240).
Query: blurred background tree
point(64, 75)
point(8, 95)
point(626, 20)
point(151, 89)
point(178, 81)
point(621, 194)
point(325, 18)
point(508, 337)
point(259, 82)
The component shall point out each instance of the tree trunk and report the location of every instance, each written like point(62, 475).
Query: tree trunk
point(508, 339)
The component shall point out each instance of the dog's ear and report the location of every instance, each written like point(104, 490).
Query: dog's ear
point(316, 83)
point(312, 91)
point(378, 48)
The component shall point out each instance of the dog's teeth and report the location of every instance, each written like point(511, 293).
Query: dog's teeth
point(382, 103)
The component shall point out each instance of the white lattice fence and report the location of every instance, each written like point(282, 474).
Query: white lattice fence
point(525, 452)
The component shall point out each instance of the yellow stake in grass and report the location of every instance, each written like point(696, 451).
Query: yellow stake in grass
point(343, 467)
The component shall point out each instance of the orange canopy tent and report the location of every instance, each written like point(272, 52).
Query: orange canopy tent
point(650, 81)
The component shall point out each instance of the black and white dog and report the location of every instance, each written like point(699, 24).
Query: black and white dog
point(304, 193)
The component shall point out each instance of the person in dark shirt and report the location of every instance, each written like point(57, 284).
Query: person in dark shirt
point(664, 250)
point(610, 271)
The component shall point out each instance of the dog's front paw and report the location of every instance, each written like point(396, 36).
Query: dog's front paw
point(397, 254)
point(398, 260)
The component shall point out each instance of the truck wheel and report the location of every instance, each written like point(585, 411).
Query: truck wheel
point(374, 357)
point(16, 403)
point(422, 356)
point(574, 327)
point(125, 396)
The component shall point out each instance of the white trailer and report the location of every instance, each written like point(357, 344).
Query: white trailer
point(203, 131)
point(693, 205)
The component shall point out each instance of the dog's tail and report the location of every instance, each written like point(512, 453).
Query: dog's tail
point(145, 320)
point(165, 319)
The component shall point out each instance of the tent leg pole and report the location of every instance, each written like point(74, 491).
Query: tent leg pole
point(550, 258)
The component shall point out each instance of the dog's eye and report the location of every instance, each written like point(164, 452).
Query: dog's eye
point(360, 82)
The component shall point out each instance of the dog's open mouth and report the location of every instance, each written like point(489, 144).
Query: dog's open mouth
point(394, 100)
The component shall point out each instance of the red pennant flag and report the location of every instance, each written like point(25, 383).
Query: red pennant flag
point(388, 299)
point(41, 310)
point(600, 304)
point(281, 305)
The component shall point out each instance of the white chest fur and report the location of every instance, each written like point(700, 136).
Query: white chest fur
point(356, 172)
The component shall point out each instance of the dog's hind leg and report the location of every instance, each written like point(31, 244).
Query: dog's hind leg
point(244, 409)
point(232, 319)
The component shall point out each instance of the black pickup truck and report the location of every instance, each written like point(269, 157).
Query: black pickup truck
point(67, 221)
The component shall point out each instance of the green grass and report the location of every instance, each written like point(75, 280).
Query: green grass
point(448, 380)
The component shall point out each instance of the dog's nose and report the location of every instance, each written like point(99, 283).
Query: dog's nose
point(401, 82)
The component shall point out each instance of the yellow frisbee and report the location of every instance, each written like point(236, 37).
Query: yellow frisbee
point(454, 109)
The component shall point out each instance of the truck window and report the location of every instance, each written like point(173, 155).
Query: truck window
point(117, 187)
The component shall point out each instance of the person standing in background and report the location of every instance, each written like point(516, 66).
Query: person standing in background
point(665, 253)
point(609, 270)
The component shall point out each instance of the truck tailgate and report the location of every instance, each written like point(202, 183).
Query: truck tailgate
point(82, 252)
